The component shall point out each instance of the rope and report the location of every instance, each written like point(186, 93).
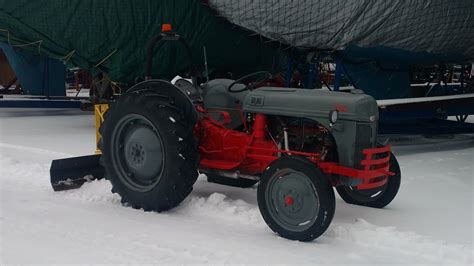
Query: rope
point(8, 35)
point(114, 85)
point(68, 56)
point(106, 58)
point(28, 44)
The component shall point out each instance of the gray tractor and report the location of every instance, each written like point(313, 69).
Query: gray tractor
point(297, 144)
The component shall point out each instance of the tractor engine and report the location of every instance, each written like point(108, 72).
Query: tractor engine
point(232, 139)
point(304, 135)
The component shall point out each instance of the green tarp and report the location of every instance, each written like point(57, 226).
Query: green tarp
point(113, 35)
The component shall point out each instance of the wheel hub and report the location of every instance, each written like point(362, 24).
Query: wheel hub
point(139, 152)
point(289, 200)
point(142, 159)
point(293, 201)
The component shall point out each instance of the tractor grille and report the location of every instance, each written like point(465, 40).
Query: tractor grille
point(365, 138)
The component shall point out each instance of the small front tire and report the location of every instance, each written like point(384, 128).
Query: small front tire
point(296, 199)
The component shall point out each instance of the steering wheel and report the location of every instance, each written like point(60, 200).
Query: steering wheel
point(259, 77)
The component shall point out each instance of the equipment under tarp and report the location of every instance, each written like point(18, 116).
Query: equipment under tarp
point(375, 42)
point(7, 75)
point(409, 30)
point(112, 36)
point(38, 75)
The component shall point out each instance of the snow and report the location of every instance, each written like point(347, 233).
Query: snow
point(430, 221)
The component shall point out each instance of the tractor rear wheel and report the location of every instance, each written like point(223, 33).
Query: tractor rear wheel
point(149, 151)
point(296, 199)
point(376, 197)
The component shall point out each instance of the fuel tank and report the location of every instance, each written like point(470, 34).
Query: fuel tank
point(216, 97)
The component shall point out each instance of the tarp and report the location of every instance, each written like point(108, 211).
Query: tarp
point(38, 75)
point(380, 82)
point(112, 35)
point(389, 29)
point(6, 72)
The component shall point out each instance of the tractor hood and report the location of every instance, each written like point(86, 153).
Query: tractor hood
point(315, 104)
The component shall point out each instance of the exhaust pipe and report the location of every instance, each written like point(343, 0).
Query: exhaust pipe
point(228, 174)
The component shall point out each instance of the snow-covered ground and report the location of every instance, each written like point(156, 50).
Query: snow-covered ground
point(430, 221)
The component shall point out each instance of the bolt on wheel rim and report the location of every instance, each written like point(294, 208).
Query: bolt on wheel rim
point(292, 200)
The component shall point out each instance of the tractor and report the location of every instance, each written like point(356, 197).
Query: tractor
point(297, 144)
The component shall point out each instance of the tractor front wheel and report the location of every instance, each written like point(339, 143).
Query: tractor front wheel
point(296, 199)
point(149, 151)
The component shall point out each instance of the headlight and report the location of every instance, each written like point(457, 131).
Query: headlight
point(333, 116)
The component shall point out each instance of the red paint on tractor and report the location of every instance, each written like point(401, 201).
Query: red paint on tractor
point(251, 153)
point(226, 149)
point(289, 200)
point(375, 172)
point(341, 108)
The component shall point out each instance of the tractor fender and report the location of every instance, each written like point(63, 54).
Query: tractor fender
point(167, 89)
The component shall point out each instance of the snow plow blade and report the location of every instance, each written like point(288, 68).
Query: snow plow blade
point(71, 173)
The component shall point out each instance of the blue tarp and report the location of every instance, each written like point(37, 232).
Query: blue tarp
point(38, 74)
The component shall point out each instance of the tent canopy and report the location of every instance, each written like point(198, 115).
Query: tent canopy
point(112, 36)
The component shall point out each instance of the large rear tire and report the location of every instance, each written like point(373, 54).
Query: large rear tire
point(377, 197)
point(149, 151)
point(296, 199)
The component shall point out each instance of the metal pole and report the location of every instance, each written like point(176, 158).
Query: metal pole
point(338, 75)
point(205, 64)
point(289, 71)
